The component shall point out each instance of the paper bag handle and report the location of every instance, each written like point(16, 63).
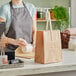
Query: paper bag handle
point(49, 21)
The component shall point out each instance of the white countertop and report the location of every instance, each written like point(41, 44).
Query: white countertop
point(68, 64)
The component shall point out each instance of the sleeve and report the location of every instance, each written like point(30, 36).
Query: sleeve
point(33, 11)
point(3, 12)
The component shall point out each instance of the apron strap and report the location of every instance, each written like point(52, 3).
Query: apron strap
point(11, 4)
point(23, 4)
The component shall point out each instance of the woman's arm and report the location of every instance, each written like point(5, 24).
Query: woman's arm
point(34, 29)
point(6, 40)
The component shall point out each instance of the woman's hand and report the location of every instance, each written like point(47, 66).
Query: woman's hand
point(21, 42)
point(6, 40)
point(34, 46)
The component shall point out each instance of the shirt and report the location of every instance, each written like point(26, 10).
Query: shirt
point(5, 12)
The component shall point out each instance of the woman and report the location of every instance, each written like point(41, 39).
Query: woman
point(20, 24)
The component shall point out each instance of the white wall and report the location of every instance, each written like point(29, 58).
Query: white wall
point(3, 2)
point(73, 13)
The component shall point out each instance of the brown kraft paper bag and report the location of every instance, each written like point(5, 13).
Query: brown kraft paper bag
point(48, 46)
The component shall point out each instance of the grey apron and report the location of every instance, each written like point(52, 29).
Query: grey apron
point(21, 25)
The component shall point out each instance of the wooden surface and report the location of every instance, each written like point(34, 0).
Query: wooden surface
point(28, 55)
